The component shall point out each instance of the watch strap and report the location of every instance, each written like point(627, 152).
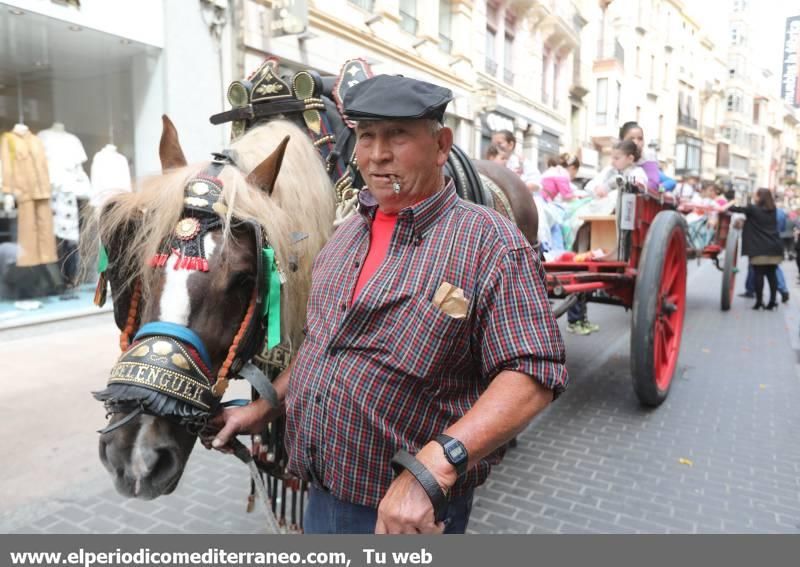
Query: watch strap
point(405, 460)
point(461, 466)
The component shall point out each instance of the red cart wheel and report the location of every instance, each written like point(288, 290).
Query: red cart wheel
point(729, 269)
point(659, 304)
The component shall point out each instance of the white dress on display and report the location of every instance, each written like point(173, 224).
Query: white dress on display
point(65, 158)
point(110, 174)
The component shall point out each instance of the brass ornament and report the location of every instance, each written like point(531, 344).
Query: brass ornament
point(199, 188)
point(187, 228)
point(162, 347)
point(180, 361)
point(313, 120)
point(196, 202)
point(141, 351)
point(219, 388)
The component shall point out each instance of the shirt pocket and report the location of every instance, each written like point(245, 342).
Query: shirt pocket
point(425, 342)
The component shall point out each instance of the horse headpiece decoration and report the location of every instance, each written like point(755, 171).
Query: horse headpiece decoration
point(165, 369)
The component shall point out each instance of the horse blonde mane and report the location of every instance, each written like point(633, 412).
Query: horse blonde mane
point(302, 201)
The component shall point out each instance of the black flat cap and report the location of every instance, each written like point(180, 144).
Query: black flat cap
point(393, 97)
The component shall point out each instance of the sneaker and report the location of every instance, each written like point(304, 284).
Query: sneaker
point(591, 327)
point(577, 329)
point(784, 296)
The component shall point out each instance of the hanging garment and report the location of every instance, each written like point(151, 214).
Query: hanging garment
point(110, 174)
point(26, 177)
point(65, 156)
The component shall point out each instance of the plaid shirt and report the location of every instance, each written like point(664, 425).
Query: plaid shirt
point(392, 370)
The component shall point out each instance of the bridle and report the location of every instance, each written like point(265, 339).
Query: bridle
point(164, 369)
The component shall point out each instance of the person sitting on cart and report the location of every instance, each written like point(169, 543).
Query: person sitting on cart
point(702, 213)
point(430, 340)
point(624, 156)
point(647, 160)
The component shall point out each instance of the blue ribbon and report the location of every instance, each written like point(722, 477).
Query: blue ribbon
point(175, 331)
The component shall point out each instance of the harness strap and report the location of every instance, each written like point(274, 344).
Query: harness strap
point(260, 383)
point(124, 421)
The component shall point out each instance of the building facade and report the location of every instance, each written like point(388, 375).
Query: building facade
point(511, 63)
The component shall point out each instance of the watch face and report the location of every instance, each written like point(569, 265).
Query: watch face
point(456, 452)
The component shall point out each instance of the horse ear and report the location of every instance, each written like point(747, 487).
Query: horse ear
point(169, 150)
point(264, 175)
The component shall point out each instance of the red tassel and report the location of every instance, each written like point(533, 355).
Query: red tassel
point(158, 261)
point(204, 265)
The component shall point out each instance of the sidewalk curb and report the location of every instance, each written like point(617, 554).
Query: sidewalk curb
point(44, 319)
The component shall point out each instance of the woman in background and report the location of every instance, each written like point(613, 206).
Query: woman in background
point(761, 242)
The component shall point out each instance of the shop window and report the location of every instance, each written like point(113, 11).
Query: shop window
point(80, 101)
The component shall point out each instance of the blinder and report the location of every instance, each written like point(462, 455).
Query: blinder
point(165, 370)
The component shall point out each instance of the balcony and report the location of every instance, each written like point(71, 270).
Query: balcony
point(687, 121)
point(609, 55)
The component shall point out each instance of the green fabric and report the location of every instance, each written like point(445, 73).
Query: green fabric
point(102, 260)
point(272, 302)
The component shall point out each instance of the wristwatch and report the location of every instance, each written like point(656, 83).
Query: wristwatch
point(454, 452)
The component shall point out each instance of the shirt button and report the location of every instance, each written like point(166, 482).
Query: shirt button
point(318, 398)
point(343, 306)
point(356, 263)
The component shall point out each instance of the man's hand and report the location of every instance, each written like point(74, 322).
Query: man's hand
point(406, 507)
point(251, 419)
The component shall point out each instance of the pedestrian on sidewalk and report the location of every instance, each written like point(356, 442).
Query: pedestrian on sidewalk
point(750, 283)
point(422, 364)
point(761, 243)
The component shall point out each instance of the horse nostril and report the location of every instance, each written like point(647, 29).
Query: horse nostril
point(164, 464)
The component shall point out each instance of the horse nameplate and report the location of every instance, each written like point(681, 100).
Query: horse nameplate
point(160, 379)
point(277, 357)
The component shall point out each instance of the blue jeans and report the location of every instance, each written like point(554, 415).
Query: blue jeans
point(326, 514)
point(750, 283)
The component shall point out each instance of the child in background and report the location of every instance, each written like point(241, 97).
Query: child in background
point(556, 181)
point(493, 153)
point(624, 156)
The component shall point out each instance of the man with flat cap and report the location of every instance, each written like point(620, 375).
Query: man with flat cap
point(430, 342)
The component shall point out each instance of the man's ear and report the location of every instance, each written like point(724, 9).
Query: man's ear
point(444, 139)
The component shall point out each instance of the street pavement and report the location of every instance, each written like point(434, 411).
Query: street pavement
point(720, 455)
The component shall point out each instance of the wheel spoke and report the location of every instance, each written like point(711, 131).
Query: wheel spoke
point(667, 324)
point(658, 350)
point(671, 275)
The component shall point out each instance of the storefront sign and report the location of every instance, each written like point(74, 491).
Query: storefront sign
point(496, 122)
point(790, 83)
point(289, 17)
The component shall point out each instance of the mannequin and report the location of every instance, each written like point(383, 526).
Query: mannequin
point(110, 174)
point(65, 156)
point(27, 182)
